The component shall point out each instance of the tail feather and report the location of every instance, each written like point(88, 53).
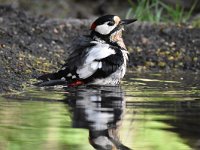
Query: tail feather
point(52, 79)
point(51, 83)
point(49, 76)
point(54, 76)
point(59, 78)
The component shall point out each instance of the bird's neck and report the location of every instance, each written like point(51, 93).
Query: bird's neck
point(114, 39)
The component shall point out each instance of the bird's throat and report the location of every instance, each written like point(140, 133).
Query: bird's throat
point(116, 37)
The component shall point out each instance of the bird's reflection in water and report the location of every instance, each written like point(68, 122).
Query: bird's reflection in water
point(100, 110)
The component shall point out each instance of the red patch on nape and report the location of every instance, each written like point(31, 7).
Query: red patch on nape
point(76, 83)
point(93, 26)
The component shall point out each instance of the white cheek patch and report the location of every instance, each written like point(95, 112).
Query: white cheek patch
point(104, 28)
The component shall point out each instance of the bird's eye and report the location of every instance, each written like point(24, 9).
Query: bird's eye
point(111, 23)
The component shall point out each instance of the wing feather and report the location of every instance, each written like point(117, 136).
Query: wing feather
point(93, 55)
point(99, 51)
point(107, 66)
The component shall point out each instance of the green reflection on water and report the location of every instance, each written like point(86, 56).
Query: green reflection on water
point(150, 134)
point(38, 125)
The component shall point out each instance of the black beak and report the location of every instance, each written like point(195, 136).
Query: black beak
point(127, 21)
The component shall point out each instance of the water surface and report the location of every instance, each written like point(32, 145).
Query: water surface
point(151, 111)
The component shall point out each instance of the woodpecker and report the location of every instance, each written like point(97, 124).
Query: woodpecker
point(99, 58)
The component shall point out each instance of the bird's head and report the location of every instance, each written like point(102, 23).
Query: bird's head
point(109, 28)
point(108, 24)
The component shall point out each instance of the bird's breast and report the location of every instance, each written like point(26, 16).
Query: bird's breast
point(114, 78)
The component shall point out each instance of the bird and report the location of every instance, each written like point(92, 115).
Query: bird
point(99, 58)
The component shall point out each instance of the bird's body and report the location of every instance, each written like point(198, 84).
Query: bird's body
point(99, 58)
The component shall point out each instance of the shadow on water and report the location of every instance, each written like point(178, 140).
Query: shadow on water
point(146, 113)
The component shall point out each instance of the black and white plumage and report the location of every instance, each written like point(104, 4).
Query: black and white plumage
point(99, 58)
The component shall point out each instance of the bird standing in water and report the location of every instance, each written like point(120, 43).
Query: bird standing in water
point(99, 58)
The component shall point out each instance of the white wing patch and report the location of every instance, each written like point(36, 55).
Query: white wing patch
point(100, 65)
point(86, 71)
point(98, 52)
